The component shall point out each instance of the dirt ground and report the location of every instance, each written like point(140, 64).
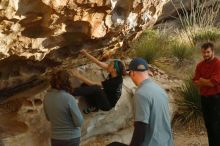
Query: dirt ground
point(181, 138)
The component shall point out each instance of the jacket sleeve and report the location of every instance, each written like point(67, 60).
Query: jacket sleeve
point(75, 112)
point(215, 76)
point(140, 130)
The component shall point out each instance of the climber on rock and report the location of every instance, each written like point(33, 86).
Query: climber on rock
point(101, 95)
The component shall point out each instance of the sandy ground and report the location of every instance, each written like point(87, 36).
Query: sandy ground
point(181, 138)
point(186, 139)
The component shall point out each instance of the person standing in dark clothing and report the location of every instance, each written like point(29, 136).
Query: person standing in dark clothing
point(101, 95)
point(207, 78)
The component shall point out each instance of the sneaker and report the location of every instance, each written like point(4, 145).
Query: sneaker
point(90, 109)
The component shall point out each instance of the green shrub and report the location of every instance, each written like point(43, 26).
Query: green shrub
point(206, 35)
point(217, 48)
point(188, 111)
point(181, 52)
point(150, 45)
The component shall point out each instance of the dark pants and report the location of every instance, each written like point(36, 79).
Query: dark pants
point(94, 95)
point(117, 144)
point(211, 114)
point(71, 142)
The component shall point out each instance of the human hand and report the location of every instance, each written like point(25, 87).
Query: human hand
point(197, 82)
point(200, 82)
point(83, 51)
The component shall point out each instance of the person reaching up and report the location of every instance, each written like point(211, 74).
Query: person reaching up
point(101, 95)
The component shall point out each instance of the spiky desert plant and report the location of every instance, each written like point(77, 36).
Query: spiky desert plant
point(188, 111)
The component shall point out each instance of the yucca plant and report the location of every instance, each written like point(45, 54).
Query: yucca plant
point(181, 52)
point(188, 111)
point(201, 14)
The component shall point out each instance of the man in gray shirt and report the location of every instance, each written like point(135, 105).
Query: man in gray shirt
point(152, 120)
point(62, 111)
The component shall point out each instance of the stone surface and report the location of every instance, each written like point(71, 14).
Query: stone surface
point(174, 9)
point(38, 37)
point(34, 28)
point(30, 127)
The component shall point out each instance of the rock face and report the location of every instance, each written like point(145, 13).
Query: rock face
point(29, 127)
point(202, 9)
point(40, 36)
point(34, 28)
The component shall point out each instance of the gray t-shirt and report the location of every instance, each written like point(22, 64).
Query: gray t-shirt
point(151, 107)
point(63, 112)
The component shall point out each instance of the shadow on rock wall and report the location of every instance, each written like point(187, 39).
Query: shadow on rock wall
point(37, 18)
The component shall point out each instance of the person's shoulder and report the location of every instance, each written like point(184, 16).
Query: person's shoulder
point(67, 95)
point(141, 94)
point(50, 92)
point(200, 63)
point(117, 79)
point(148, 84)
point(142, 99)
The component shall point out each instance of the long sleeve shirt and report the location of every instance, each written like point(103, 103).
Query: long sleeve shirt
point(211, 71)
point(63, 112)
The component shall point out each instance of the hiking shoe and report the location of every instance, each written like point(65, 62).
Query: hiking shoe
point(90, 109)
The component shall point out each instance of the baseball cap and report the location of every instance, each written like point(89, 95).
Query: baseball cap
point(138, 64)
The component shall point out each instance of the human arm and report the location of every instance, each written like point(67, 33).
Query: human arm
point(204, 82)
point(215, 76)
point(142, 116)
point(93, 59)
point(140, 130)
point(75, 112)
point(213, 80)
point(84, 79)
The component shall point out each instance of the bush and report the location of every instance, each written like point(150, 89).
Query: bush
point(206, 35)
point(150, 45)
point(217, 48)
point(181, 52)
point(201, 15)
point(189, 111)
